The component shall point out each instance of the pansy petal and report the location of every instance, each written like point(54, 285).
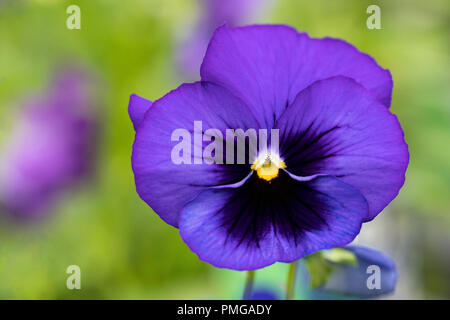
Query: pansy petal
point(374, 275)
point(267, 65)
point(259, 223)
point(137, 107)
point(161, 183)
point(336, 127)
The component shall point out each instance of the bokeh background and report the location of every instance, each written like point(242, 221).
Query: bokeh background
point(123, 249)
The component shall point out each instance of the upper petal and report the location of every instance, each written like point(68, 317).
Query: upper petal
point(137, 107)
point(336, 127)
point(267, 65)
point(258, 223)
point(165, 185)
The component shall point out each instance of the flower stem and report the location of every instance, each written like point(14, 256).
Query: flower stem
point(249, 284)
point(291, 281)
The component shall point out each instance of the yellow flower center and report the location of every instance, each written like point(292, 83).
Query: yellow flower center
point(267, 166)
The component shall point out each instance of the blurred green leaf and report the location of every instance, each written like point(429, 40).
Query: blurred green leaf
point(340, 255)
point(319, 269)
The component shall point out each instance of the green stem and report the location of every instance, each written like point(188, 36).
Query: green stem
point(291, 281)
point(249, 284)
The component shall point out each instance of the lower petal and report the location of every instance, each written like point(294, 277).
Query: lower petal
point(259, 223)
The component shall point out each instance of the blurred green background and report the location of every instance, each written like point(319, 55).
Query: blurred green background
point(124, 250)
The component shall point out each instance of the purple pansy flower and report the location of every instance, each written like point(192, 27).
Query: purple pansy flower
point(342, 156)
point(49, 149)
point(213, 14)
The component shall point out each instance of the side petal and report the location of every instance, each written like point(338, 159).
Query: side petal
point(267, 65)
point(137, 107)
point(259, 223)
point(360, 280)
point(336, 127)
point(166, 185)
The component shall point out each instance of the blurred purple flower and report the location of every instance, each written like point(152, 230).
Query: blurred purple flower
point(231, 12)
point(213, 14)
point(264, 293)
point(360, 280)
point(342, 154)
point(49, 149)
